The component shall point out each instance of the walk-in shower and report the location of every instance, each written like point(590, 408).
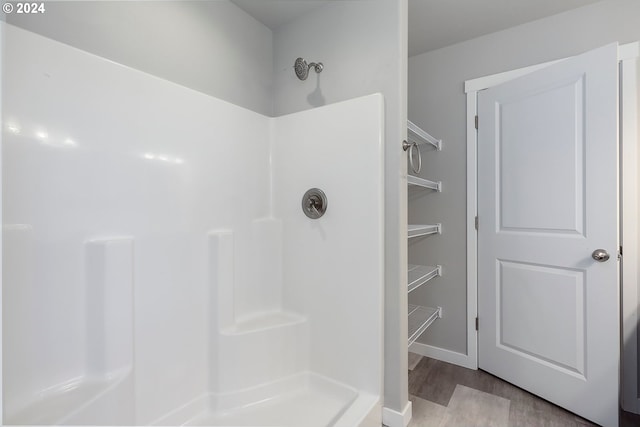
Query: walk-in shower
point(157, 266)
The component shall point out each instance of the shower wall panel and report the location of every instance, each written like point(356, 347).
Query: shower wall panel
point(93, 150)
point(334, 265)
point(158, 267)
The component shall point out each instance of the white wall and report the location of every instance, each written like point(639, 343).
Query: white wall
point(140, 157)
point(333, 270)
point(437, 103)
point(213, 47)
point(81, 152)
point(363, 47)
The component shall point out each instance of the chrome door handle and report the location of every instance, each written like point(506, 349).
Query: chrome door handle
point(600, 255)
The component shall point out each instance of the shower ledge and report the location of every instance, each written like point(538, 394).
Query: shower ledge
point(263, 321)
point(61, 403)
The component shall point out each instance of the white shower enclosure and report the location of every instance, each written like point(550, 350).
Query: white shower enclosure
point(157, 265)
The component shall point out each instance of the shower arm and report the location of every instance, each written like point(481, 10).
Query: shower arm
point(317, 66)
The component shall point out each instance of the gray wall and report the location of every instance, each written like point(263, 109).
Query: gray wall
point(213, 47)
point(363, 47)
point(437, 103)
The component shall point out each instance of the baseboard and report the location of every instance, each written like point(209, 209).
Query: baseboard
point(391, 418)
point(628, 404)
point(631, 405)
point(445, 355)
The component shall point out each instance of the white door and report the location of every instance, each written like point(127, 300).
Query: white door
point(547, 199)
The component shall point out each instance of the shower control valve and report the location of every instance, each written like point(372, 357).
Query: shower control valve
point(314, 203)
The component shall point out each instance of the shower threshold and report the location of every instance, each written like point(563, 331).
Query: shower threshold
point(304, 400)
point(310, 407)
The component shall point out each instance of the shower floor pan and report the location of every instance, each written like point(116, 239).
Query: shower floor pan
point(304, 400)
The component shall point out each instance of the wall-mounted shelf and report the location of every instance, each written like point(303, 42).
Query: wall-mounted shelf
point(421, 274)
point(425, 183)
point(420, 318)
point(419, 136)
point(417, 230)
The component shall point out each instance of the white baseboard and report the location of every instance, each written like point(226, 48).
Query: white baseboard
point(444, 355)
point(631, 405)
point(391, 418)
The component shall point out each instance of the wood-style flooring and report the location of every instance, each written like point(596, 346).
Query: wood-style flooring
point(446, 395)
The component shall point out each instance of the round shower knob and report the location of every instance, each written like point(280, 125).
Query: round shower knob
point(314, 203)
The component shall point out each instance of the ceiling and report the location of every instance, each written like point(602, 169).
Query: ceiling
point(438, 23)
point(273, 13)
point(432, 23)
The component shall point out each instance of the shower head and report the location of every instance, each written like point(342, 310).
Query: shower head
point(302, 68)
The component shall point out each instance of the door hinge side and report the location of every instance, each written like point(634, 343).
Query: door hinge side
point(476, 122)
point(476, 222)
point(477, 323)
point(620, 253)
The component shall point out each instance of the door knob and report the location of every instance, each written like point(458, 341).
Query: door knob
point(600, 255)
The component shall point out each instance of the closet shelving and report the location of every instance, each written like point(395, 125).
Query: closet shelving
point(421, 274)
point(417, 230)
point(424, 183)
point(419, 136)
point(420, 318)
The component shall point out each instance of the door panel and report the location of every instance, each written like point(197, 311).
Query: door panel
point(555, 339)
point(548, 194)
point(542, 166)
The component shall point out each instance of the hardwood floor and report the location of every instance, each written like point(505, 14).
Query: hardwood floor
point(446, 395)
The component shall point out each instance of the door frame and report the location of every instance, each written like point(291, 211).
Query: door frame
point(628, 59)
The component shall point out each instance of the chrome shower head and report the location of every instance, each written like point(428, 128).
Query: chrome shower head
point(302, 68)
